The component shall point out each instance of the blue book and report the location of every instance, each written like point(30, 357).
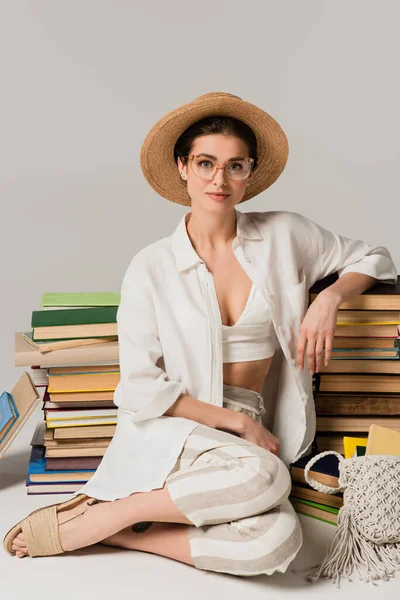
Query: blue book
point(37, 471)
point(380, 353)
point(328, 464)
point(8, 414)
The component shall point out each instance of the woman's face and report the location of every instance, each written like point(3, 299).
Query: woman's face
point(224, 148)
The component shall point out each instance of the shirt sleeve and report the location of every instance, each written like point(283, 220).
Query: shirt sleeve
point(337, 253)
point(144, 388)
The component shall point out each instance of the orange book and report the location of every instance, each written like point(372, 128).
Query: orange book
point(93, 382)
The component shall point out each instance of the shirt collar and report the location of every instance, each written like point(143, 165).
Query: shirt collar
point(186, 256)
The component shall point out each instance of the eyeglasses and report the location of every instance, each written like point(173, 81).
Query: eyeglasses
point(206, 168)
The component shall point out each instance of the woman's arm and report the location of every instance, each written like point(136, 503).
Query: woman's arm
point(319, 324)
point(347, 286)
point(208, 414)
point(359, 266)
point(228, 420)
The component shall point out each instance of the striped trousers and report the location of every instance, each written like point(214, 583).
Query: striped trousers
point(236, 495)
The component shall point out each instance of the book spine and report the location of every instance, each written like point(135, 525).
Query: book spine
point(352, 405)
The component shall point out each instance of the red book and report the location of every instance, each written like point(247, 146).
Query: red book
point(73, 463)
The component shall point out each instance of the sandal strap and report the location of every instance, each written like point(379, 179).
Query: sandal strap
point(41, 532)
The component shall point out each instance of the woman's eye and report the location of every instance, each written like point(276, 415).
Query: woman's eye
point(206, 164)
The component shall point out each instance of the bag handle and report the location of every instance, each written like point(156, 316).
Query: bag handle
point(320, 487)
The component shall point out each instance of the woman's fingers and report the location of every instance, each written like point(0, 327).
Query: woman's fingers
point(328, 348)
point(317, 344)
point(311, 342)
point(318, 352)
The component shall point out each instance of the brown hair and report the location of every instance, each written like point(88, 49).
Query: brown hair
point(215, 124)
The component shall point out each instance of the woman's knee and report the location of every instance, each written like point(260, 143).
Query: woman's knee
point(230, 485)
point(272, 482)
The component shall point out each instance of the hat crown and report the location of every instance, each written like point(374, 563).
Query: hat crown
point(216, 95)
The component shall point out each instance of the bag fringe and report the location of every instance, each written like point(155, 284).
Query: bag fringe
point(349, 550)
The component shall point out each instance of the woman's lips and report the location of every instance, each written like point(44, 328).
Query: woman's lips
point(218, 197)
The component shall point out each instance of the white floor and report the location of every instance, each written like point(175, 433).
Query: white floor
point(101, 573)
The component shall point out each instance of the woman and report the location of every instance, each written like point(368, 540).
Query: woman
point(214, 402)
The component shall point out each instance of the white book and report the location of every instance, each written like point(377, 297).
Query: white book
point(40, 376)
point(50, 488)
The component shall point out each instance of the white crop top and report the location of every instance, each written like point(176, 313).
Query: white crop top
point(253, 336)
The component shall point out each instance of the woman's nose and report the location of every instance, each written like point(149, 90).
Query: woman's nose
point(220, 175)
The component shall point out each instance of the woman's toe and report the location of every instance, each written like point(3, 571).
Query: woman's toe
point(19, 546)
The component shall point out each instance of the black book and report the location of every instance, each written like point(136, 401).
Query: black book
point(378, 289)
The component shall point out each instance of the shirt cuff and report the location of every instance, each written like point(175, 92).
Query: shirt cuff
point(165, 398)
point(377, 266)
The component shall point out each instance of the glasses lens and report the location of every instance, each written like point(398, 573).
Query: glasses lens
point(205, 168)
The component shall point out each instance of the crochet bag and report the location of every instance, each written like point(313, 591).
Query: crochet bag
point(367, 536)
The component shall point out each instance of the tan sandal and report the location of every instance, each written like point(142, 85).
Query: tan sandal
point(41, 529)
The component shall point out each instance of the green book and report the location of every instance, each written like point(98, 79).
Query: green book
point(80, 299)
point(75, 316)
point(313, 512)
point(324, 507)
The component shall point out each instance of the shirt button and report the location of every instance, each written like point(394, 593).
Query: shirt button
point(247, 259)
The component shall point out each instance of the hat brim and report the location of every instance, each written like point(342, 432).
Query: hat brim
point(157, 153)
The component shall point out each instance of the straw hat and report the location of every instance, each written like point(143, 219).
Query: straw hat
point(157, 152)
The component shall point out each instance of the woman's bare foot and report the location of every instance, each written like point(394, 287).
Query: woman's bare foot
point(71, 537)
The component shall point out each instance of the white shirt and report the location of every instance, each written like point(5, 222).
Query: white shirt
point(169, 329)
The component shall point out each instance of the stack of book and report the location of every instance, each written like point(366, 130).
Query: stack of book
point(360, 386)
point(73, 353)
point(358, 389)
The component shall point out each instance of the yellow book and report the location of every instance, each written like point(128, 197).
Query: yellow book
point(368, 317)
point(382, 440)
point(350, 443)
point(52, 423)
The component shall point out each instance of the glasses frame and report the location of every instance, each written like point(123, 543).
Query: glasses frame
point(219, 166)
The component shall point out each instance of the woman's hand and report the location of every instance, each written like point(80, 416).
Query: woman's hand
point(318, 329)
point(255, 432)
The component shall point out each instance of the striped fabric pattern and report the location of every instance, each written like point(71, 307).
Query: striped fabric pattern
point(236, 495)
